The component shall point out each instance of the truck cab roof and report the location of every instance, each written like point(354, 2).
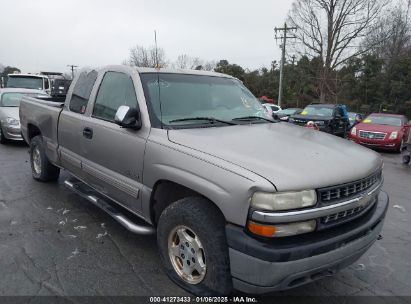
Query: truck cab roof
point(27, 75)
point(164, 70)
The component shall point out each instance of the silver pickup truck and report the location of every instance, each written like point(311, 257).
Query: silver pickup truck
point(237, 200)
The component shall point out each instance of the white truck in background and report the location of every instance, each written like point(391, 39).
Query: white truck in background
point(29, 81)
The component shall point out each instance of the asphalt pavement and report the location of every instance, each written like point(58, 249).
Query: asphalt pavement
point(52, 242)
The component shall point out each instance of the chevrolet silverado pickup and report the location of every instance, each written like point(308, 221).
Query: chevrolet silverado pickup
point(185, 155)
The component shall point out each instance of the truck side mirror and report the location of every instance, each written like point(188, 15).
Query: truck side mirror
point(127, 117)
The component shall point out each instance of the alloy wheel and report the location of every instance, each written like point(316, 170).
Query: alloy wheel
point(36, 160)
point(187, 255)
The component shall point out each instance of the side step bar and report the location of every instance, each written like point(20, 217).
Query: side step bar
point(92, 196)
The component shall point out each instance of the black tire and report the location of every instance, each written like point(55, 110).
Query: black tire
point(401, 147)
point(206, 221)
point(406, 159)
point(43, 170)
point(3, 139)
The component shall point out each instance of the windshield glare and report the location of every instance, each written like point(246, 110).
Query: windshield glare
point(318, 111)
point(188, 96)
point(13, 99)
point(287, 111)
point(383, 120)
point(25, 82)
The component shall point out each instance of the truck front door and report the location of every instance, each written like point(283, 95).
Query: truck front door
point(113, 155)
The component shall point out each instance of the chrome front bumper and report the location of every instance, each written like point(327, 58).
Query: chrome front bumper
point(258, 267)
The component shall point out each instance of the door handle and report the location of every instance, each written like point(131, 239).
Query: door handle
point(88, 133)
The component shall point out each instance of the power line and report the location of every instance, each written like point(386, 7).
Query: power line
point(284, 36)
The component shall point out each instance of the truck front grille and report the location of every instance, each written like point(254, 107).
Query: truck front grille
point(332, 218)
point(372, 135)
point(331, 194)
point(300, 122)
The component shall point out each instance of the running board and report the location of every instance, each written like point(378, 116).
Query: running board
point(92, 196)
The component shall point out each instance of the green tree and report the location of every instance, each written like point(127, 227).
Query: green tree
point(223, 66)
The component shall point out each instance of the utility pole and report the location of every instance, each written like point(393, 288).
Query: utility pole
point(72, 67)
point(284, 38)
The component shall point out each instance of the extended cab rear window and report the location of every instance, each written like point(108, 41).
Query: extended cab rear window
point(82, 91)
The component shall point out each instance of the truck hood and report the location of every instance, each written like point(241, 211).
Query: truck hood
point(12, 112)
point(290, 157)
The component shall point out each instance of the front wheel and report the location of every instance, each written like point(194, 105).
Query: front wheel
point(3, 139)
point(193, 247)
point(406, 159)
point(401, 146)
point(41, 168)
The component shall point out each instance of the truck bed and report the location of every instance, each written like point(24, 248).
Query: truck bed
point(42, 114)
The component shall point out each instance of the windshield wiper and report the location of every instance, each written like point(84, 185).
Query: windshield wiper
point(209, 119)
point(248, 118)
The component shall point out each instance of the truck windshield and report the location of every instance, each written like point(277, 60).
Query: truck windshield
point(175, 98)
point(25, 82)
point(13, 99)
point(318, 111)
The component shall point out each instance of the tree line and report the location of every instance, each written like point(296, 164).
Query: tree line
point(356, 52)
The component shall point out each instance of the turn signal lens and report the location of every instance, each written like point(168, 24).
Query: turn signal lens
point(260, 229)
point(281, 230)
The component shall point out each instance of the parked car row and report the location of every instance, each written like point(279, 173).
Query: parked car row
point(377, 130)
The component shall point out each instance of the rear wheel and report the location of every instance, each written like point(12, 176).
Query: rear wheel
point(406, 159)
point(41, 168)
point(193, 247)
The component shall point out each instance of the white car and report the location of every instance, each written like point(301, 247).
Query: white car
point(271, 108)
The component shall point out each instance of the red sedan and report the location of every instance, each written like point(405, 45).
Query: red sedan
point(383, 131)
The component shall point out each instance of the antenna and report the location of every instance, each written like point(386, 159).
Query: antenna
point(155, 41)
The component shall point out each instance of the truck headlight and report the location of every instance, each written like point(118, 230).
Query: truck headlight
point(12, 122)
point(394, 135)
point(283, 200)
point(354, 131)
point(281, 230)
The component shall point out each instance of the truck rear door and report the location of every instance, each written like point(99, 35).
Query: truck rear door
point(113, 156)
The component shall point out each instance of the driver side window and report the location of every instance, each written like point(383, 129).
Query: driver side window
point(116, 89)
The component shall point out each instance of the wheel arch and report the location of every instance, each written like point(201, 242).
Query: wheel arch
point(32, 131)
point(165, 192)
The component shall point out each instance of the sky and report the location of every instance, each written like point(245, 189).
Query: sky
point(48, 35)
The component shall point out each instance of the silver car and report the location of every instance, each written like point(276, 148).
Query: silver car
point(9, 112)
